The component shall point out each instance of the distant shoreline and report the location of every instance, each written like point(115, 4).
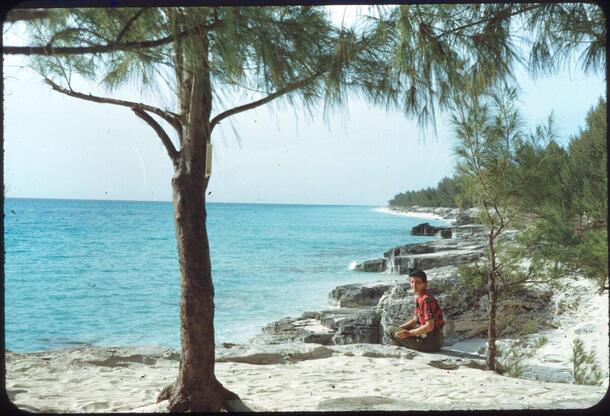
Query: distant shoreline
point(408, 213)
point(448, 214)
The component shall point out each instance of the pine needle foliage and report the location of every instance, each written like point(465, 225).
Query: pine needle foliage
point(510, 361)
point(558, 33)
point(487, 126)
point(408, 57)
point(585, 368)
point(562, 196)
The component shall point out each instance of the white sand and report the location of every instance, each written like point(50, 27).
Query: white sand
point(579, 312)
point(422, 215)
point(67, 381)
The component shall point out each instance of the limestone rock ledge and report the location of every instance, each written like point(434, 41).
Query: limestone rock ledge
point(362, 312)
point(375, 306)
point(466, 245)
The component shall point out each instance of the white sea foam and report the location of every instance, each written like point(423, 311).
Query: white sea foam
point(352, 265)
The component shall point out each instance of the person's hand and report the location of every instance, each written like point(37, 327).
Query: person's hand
point(403, 334)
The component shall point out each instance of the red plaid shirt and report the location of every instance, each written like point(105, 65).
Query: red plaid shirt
point(426, 307)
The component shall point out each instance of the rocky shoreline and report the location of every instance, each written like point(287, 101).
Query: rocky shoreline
point(360, 313)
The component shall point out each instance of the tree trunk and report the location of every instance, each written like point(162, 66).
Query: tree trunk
point(196, 388)
point(493, 299)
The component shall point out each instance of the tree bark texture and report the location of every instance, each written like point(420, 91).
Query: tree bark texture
point(196, 388)
point(493, 299)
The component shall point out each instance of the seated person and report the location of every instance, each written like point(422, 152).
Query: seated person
point(428, 336)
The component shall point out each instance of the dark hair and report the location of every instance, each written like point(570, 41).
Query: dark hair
point(421, 274)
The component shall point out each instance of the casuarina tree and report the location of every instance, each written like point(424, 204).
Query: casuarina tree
point(276, 51)
point(487, 126)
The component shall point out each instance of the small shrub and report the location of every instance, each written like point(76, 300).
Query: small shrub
point(511, 362)
point(506, 323)
point(584, 365)
point(529, 327)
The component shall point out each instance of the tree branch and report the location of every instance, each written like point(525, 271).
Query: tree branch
point(71, 30)
point(169, 146)
point(129, 23)
point(290, 87)
point(172, 118)
point(521, 10)
point(109, 47)
point(17, 15)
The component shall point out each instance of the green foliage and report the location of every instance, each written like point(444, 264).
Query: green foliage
point(530, 326)
point(584, 365)
point(510, 360)
point(557, 197)
point(592, 256)
point(558, 29)
point(536, 162)
point(419, 54)
point(564, 199)
point(407, 57)
point(588, 166)
point(487, 125)
point(447, 193)
point(256, 48)
point(473, 279)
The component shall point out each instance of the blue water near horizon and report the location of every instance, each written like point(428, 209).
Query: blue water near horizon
point(106, 273)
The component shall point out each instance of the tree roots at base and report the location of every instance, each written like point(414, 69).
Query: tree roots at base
point(219, 400)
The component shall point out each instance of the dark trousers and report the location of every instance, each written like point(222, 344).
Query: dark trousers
point(433, 341)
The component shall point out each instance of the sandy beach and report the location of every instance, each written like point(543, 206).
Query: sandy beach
point(310, 377)
point(354, 377)
point(407, 213)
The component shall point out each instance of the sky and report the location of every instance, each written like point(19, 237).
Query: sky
point(61, 147)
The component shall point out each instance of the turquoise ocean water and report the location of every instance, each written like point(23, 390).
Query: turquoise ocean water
point(106, 272)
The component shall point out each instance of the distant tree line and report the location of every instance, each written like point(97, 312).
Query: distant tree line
point(449, 192)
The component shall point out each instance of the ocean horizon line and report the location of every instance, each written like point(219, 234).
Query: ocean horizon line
point(215, 202)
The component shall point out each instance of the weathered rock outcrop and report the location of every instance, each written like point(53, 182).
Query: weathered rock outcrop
point(431, 230)
point(357, 295)
point(308, 328)
point(360, 328)
point(467, 245)
point(365, 310)
point(377, 265)
point(328, 327)
point(392, 303)
point(271, 354)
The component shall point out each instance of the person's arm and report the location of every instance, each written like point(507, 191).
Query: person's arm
point(409, 324)
point(427, 327)
point(424, 329)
